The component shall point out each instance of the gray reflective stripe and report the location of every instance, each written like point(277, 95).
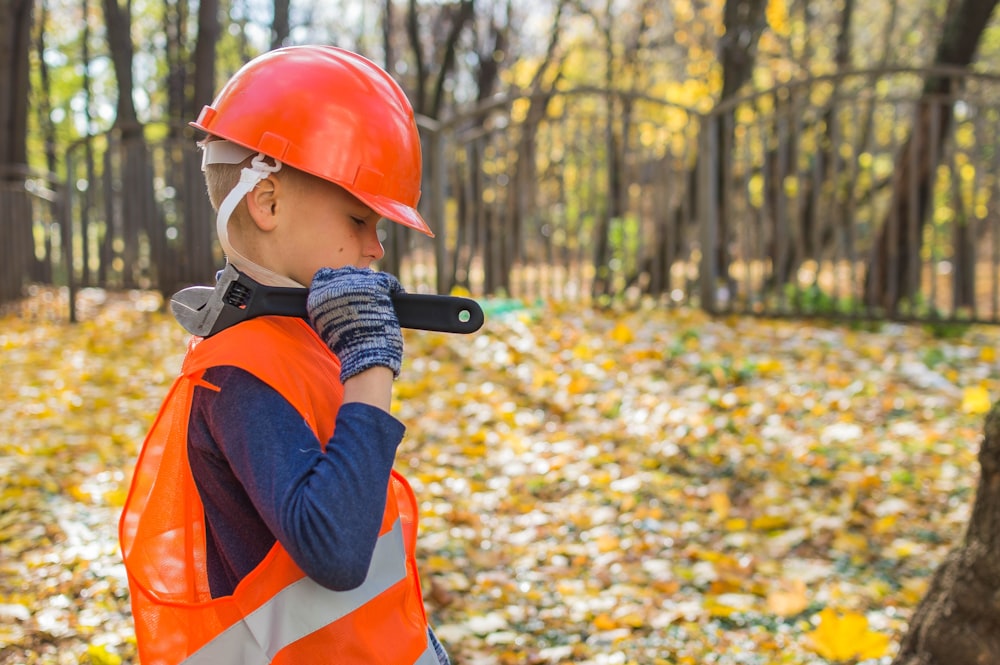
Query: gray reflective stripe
point(302, 608)
point(428, 657)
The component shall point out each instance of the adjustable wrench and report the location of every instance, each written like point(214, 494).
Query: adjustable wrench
point(205, 311)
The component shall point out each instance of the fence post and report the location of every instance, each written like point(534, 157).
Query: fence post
point(437, 184)
point(707, 198)
point(66, 240)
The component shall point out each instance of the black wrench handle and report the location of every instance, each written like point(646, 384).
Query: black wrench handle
point(438, 313)
point(418, 311)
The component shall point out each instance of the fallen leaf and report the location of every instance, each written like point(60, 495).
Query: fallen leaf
point(788, 599)
point(976, 400)
point(844, 637)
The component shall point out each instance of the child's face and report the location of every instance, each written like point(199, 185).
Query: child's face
point(323, 226)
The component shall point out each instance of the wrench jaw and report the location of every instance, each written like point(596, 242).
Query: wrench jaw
point(204, 311)
point(189, 307)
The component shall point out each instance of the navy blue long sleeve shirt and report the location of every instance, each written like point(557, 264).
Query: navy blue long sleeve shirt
point(262, 475)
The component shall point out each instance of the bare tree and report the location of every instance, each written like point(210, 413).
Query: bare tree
point(195, 256)
point(388, 48)
point(433, 37)
point(127, 167)
point(447, 21)
point(280, 27)
point(894, 267)
point(43, 271)
point(205, 48)
point(495, 231)
point(15, 217)
point(814, 231)
point(619, 112)
point(744, 21)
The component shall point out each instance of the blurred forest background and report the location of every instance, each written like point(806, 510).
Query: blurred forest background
point(759, 156)
point(621, 467)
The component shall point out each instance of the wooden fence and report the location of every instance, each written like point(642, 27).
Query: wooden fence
point(857, 195)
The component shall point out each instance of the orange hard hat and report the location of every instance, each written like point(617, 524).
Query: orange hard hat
point(331, 113)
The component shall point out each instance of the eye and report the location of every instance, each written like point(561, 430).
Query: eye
point(359, 221)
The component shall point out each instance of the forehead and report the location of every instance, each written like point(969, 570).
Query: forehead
point(307, 184)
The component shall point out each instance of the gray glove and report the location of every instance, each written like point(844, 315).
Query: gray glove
point(352, 311)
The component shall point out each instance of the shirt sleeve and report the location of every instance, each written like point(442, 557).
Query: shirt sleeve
point(325, 508)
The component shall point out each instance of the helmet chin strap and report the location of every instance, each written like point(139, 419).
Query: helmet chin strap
point(259, 170)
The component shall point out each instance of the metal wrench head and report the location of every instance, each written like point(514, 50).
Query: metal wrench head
point(198, 308)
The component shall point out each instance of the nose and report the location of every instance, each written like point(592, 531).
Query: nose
point(373, 246)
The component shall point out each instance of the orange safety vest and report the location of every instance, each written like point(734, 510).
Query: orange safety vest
point(277, 614)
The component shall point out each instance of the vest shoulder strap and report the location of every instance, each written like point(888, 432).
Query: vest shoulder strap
point(286, 354)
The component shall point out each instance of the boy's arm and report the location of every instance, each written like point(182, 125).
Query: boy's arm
point(324, 507)
point(372, 386)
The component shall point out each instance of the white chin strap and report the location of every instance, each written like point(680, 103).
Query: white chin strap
point(224, 152)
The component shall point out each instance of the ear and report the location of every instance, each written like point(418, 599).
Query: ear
point(262, 204)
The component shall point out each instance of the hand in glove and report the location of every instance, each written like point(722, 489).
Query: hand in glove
point(352, 311)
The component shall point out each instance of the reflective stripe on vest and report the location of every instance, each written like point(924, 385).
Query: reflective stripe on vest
point(303, 607)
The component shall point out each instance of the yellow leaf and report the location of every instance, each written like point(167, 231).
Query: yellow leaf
point(736, 524)
point(789, 599)
point(435, 562)
point(769, 366)
point(116, 497)
point(607, 543)
point(885, 524)
point(769, 522)
point(633, 619)
point(851, 542)
point(99, 655)
point(604, 622)
point(777, 17)
point(975, 400)
point(720, 503)
point(621, 333)
point(846, 637)
point(578, 385)
point(913, 590)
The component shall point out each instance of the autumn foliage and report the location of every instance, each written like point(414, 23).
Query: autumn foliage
point(641, 486)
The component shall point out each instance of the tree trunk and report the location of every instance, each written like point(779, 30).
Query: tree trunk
point(387, 29)
point(15, 217)
point(197, 259)
point(138, 214)
point(43, 269)
point(958, 621)
point(119, 28)
point(815, 230)
point(895, 264)
point(744, 21)
point(175, 20)
point(280, 28)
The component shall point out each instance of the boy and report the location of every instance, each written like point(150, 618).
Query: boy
point(265, 523)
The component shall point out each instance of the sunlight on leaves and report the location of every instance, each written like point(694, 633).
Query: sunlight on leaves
point(846, 637)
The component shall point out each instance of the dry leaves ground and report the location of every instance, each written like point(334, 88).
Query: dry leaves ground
point(597, 487)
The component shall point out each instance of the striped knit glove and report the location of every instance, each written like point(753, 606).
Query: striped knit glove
point(352, 311)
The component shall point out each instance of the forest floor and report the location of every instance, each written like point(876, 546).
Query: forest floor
point(595, 486)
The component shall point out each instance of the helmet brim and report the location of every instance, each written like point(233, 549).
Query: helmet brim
point(395, 211)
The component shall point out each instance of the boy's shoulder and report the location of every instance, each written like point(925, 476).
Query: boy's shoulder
point(287, 355)
point(267, 340)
